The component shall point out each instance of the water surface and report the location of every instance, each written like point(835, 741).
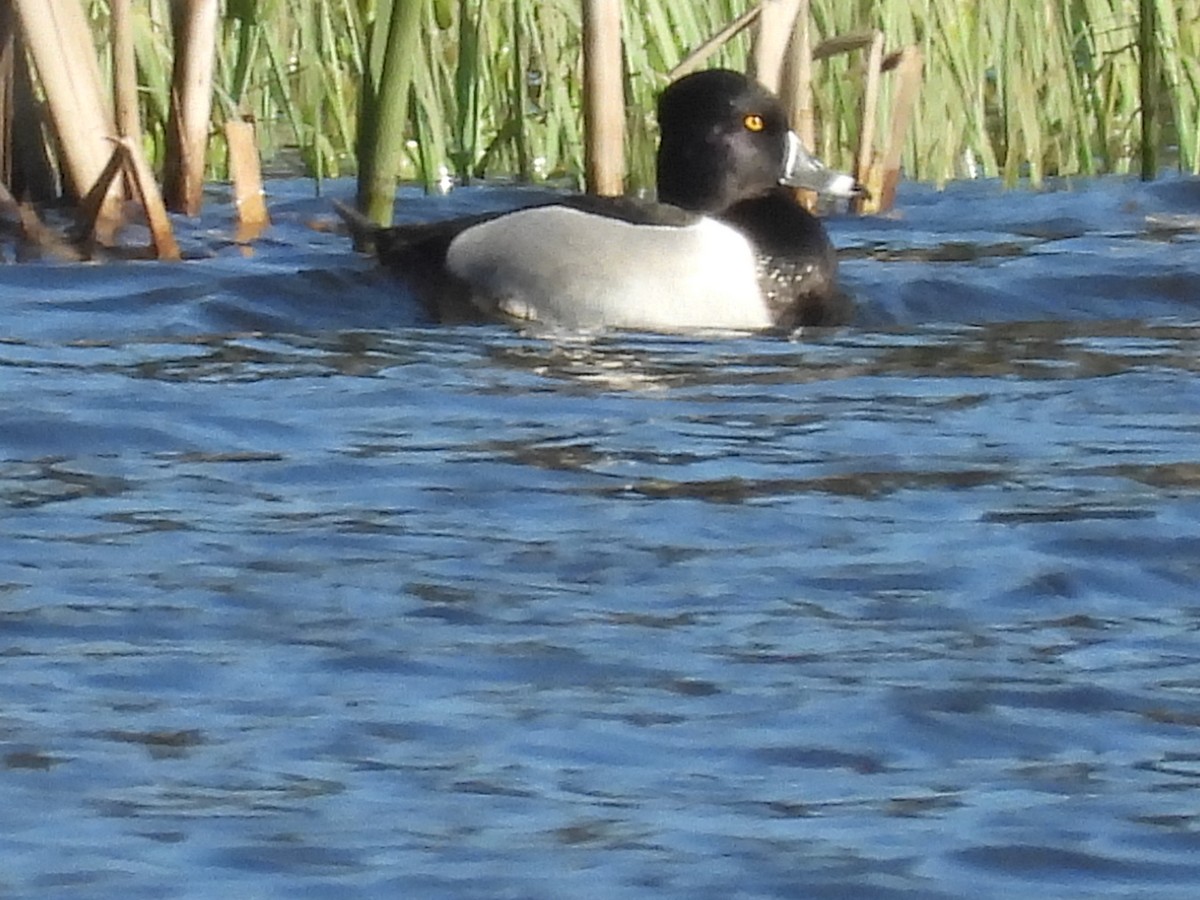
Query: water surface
point(303, 597)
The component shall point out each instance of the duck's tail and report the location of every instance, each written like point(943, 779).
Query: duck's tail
point(363, 231)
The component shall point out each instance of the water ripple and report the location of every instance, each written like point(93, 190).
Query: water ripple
point(299, 596)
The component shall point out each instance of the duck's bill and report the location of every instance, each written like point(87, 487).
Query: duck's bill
point(803, 170)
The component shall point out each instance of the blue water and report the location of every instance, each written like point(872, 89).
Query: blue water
point(302, 597)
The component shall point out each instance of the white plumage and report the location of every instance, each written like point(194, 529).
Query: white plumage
point(595, 272)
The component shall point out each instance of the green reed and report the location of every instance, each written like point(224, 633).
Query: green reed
point(1020, 90)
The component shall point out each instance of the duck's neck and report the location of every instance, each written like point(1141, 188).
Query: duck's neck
point(778, 225)
point(797, 265)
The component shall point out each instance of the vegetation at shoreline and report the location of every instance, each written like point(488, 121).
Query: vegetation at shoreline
point(1018, 90)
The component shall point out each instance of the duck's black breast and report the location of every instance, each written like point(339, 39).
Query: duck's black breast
point(797, 264)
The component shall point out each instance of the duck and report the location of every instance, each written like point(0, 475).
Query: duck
point(725, 246)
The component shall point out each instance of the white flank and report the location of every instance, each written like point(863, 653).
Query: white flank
point(563, 267)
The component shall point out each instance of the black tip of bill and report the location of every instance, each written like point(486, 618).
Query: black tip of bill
point(803, 170)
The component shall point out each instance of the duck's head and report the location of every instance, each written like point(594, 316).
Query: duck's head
point(725, 138)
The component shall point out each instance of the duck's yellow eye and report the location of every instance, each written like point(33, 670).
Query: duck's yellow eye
point(754, 122)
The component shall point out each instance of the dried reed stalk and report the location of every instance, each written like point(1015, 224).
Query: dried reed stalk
point(864, 159)
point(775, 28)
point(146, 188)
point(697, 57)
point(604, 98)
point(129, 128)
point(7, 78)
point(194, 26)
point(56, 33)
point(1148, 87)
point(245, 171)
point(908, 67)
point(799, 92)
point(125, 88)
